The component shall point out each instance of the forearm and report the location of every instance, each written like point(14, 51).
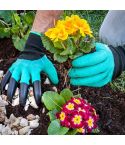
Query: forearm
point(45, 19)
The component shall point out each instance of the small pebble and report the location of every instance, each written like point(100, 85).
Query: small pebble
point(47, 81)
point(4, 97)
point(37, 117)
point(24, 130)
point(33, 102)
point(2, 102)
point(54, 89)
point(31, 117)
point(27, 105)
point(15, 132)
point(23, 122)
point(6, 130)
point(1, 127)
point(29, 132)
point(34, 124)
point(2, 116)
point(1, 73)
point(7, 121)
point(16, 123)
point(43, 110)
point(12, 118)
point(15, 101)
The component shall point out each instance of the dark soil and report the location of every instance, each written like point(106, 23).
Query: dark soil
point(110, 104)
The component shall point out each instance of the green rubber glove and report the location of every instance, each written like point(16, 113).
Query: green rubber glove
point(94, 69)
point(27, 70)
point(24, 70)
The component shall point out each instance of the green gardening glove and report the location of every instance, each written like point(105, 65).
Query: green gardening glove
point(27, 69)
point(94, 69)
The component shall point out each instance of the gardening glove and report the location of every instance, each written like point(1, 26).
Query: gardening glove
point(27, 69)
point(98, 68)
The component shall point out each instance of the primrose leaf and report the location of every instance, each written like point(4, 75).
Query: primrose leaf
point(4, 32)
point(28, 17)
point(56, 129)
point(72, 132)
point(58, 45)
point(76, 55)
point(6, 15)
point(60, 58)
point(67, 94)
point(95, 131)
point(18, 42)
point(53, 100)
point(70, 48)
point(16, 18)
point(87, 46)
point(48, 44)
point(52, 114)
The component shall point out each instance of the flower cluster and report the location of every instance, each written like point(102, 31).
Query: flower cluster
point(70, 26)
point(78, 114)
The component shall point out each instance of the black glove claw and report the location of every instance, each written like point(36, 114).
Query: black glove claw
point(11, 89)
point(5, 80)
point(37, 92)
point(23, 93)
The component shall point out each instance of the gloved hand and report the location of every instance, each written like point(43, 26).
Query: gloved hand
point(27, 69)
point(98, 68)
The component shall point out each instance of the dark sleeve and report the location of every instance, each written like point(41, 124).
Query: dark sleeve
point(119, 58)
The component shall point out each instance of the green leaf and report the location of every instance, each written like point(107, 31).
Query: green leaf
point(70, 48)
point(28, 17)
point(60, 58)
point(55, 128)
point(52, 100)
point(77, 54)
point(58, 45)
point(6, 15)
point(18, 42)
point(17, 19)
point(4, 32)
point(67, 94)
point(52, 114)
point(48, 44)
point(15, 29)
point(72, 132)
point(95, 131)
point(87, 46)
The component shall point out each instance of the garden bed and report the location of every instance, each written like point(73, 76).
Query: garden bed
point(109, 104)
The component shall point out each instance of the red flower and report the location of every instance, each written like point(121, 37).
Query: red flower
point(77, 121)
point(78, 114)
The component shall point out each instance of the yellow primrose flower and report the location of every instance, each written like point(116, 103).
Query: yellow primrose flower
point(77, 101)
point(90, 122)
point(51, 33)
point(81, 130)
point(62, 116)
point(77, 119)
point(69, 25)
point(61, 34)
point(57, 33)
point(82, 25)
point(86, 30)
point(70, 106)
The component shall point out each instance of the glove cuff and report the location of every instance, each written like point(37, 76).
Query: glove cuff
point(33, 48)
point(119, 59)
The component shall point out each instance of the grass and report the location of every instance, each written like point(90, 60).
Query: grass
point(95, 19)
